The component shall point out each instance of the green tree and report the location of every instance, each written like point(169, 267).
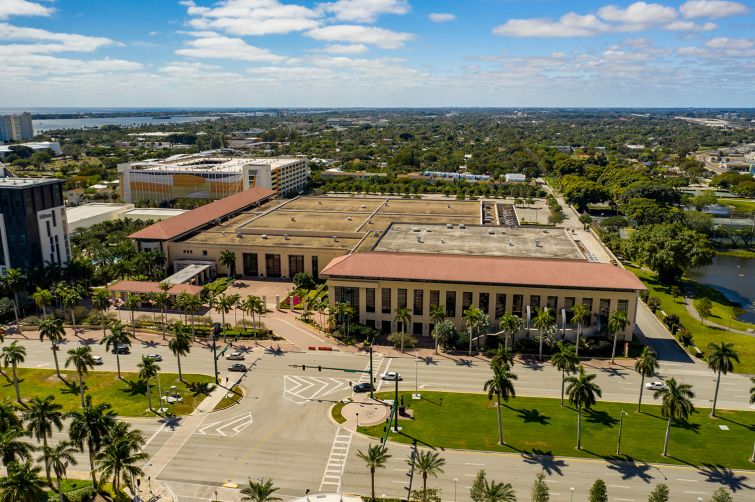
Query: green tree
point(14, 281)
point(8, 416)
point(659, 494)
point(120, 458)
point(581, 192)
point(617, 322)
point(60, 457)
point(12, 447)
point(52, 329)
point(473, 318)
point(543, 322)
point(437, 316)
point(721, 358)
point(180, 345)
point(162, 300)
point(676, 404)
point(404, 317)
point(132, 303)
point(375, 458)
point(493, 491)
point(261, 490)
point(582, 394)
point(445, 332)
point(101, 301)
point(503, 355)
point(90, 425)
point(734, 312)
point(428, 463)
point(540, 492)
point(40, 417)
point(81, 358)
point(70, 298)
point(477, 490)
point(223, 304)
point(147, 371)
point(228, 260)
point(721, 495)
point(564, 360)
point(645, 365)
point(22, 484)
point(42, 298)
point(502, 387)
point(192, 305)
point(511, 325)
point(118, 336)
point(703, 308)
point(579, 315)
point(13, 355)
point(598, 491)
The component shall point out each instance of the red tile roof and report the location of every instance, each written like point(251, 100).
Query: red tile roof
point(483, 270)
point(178, 225)
point(145, 287)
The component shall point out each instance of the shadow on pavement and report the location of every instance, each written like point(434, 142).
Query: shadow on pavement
point(545, 460)
point(725, 476)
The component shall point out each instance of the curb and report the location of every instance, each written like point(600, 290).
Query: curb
point(243, 396)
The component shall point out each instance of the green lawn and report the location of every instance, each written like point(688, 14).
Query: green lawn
point(538, 426)
point(232, 397)
point(741, 205)
point(128, 396)
point(703, 335)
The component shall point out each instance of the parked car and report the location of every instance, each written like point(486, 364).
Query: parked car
point(658, 385)
point(235, 356)
point(155, 357)
point(97, 360)
point(391, 375)
point(363, 387)
point(121, 349)
point(237, 367)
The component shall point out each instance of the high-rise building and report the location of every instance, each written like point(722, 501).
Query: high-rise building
point(33, 227)
point(209, 176)
point(16, 127)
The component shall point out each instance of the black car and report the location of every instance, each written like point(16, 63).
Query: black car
point(237, 367)
point(121, 349)
point(363, 387)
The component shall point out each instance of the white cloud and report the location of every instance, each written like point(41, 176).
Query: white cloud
point(690, 26)
point(214, 46)
point(441, 17)
point(65, 41)
point(10, 8)
point(346, 49)
point(569, 25)
point(712, 8)
point(358, 34)
point(364, 11)
point(253, 17)
point(729, 43)
point(638, 13)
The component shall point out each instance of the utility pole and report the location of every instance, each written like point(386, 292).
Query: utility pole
point(216, 328)
point(372, 377)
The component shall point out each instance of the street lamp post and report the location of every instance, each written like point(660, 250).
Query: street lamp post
point(372, 378)
point(572, 494)
point(395, 405)
point(456, 480)
point(215, 333)
point(621, 423)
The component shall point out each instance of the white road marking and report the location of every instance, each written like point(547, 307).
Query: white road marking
point(301, 389)
point(241, 422)
point(337, 460)
point(688, 480)
point(472, 463)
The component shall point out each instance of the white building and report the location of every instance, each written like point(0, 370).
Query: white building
point(38, 146)
point(515, 178)
point(16, 127)
point(209, 175)
point(87, 215)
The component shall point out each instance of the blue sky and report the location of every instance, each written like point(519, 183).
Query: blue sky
point(257, 53)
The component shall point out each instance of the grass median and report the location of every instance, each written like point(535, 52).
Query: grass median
point(128, 396)
point(538, 427)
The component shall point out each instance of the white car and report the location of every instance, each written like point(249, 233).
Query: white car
point(391, 376)
point(97, 360)
point(235, 356)
point(155, 357)
point(655, 385)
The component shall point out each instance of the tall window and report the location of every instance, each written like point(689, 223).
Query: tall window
point(369, 300)
point(434, 298)
point(273, 265)
point(484, 303)
point(450, 303)
point(466, 301)
point(385, 299)
point(315, 268)
point(623, 306)
point(534, 303)
point(295, 264)
point(517, 306)
point(400, 298)
point(568, 305)
point(587, 302)
point(553, 304)
point(418, 301)
point(500, 305)
point(349, 296)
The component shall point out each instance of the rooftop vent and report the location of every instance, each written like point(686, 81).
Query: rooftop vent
point(362, 206)
point(348, 218)
point(419, 238)
point(293, 219)
point(449, 226)
point(491, 232)
point(537, 243)
point(335, 238)
point(285, 236)
point(264, 236)
point(462, 226)
point(511, 243)
point(415, 229)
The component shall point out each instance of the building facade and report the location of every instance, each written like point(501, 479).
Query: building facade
point(33, 226)
point(16, 127)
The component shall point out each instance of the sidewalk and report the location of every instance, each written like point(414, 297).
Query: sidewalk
point(691, 310)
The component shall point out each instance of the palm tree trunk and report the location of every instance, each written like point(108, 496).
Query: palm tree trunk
point(471, 332)
point(15, 307)
point(540, 349)
point(81, 388)
point(103, 323)
point(563, 381)
point(715, 396)
point(180, 375)
point(222, 319)
point(642, 386)
point(118, 362)
point(372, 479)
point(668, 434)
point(149, 397)
point(579, 427)
point(15, 383)
point(500, 428)
point(60, 488)
point(424, 486)
point(47, 464)
point(435, 335)
point(90, 451)
point(44, 311)
point(133, 326)
point(579, 331)
point(162, 321)
point(55, 356)
point(73, 320)
point(613, 351)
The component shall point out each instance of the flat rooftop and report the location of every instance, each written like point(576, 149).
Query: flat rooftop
point(478, 240)
point(13, 182)
point(85, 211)
point(199, 162)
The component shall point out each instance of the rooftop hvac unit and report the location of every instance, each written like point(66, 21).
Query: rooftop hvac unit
point(462, 226)
point(415, 229)
point(362, 206)
point(491, 232)
point(335, 238)
point(449, 226)
point(537, 243)
point(511, 243)
point(285, 236)
point(264, 236)
point(293, 219)
point(348, 218)
point(419, 238)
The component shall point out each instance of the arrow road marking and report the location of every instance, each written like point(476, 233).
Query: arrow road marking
point(220, 428)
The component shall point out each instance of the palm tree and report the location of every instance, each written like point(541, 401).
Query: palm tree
point(119, 459)
point(249, 306)
point(81, 358)
point(503, 355)
point(91, 425)
point(543, 322)
point(192, 304)
point(472, 317)
point(565, 360)
point(721, 359)
point(259, 491)
point(752, 391)
point(502, 386)
point(617, 321)
point(228, 260)
point(180, 345)
point(53, 330)
point(70, 298)
point(59, 457)
point(437, 316)
point(579, 314)
point(101, 301)
point(22, 484)
point(404, 317)
point(42, 298)
point(493, 491)
point(676, 403)
point(582, 391)
point(645, 365)
point(118, 336)
point(11, 446)
point(40, 417)
point(8, 416)
point(13, 355)
point(375, 458)
point(147, 371)
point(223, 304)
point(162, 300)
point(510, 325)
point(132, 303)
point(14, 280)
point(428, 463)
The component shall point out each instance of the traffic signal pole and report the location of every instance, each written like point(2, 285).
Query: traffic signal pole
point(215, 333)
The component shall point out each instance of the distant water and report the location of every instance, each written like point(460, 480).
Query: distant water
point(735, 278)
point(42, 125)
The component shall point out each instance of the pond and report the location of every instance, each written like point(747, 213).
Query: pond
point(734, 277)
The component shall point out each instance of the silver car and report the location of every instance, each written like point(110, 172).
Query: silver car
point(235, 356)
